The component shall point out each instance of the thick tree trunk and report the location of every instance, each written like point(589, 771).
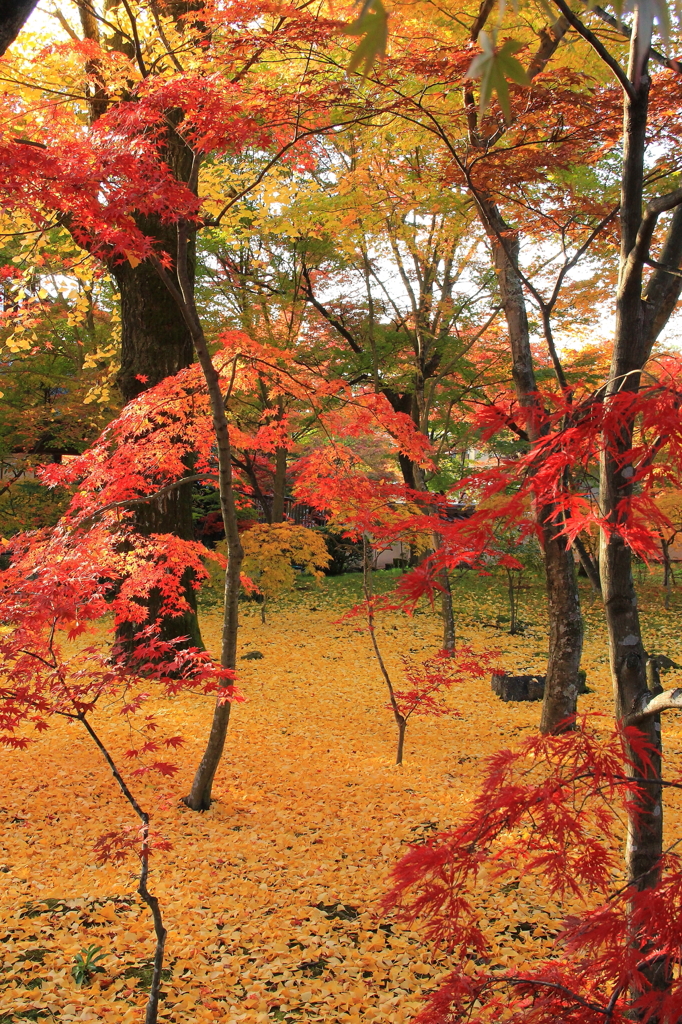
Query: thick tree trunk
point(632, 345)
point(642, 310)
point(171, 514)
point(12, 17)
point(156, 343)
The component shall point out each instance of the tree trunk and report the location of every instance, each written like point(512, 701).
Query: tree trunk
point(181, 289)
point(156, 343)
point(14, 14)
point(626, 650)
point(563, 600)
point(170, 514)
point(447, 613)
point(279, 485)
point(590, 568)
point(413, 477)
point(565, 632)
point(667, 570)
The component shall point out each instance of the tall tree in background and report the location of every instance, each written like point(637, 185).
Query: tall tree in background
point(500, 162)
point(411, 302)
point(649, 282)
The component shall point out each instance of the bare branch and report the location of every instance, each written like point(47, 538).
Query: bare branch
point(669, 700)
point(639, 253)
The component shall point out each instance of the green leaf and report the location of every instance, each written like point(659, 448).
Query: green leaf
point(495, 68)
point(372, 25)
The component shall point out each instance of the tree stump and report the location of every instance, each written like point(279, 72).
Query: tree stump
point(518, 687)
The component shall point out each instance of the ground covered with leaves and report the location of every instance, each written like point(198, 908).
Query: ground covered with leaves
point(272, 898)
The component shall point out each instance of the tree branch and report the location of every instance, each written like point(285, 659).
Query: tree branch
point(625, 30)
point(329, 317)
point(132, 502)
point(640, 250)
point(648, 705)
point(597, 46)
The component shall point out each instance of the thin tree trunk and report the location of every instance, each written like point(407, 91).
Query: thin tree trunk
point(565, 633)
point(588, 564)
point(279, 485)
point(400, 720)
point(152, 1009)
point(510, 597)
point(446, 608)
point(413, 477)
point(563, 600)
point(665, 550)
point(199, 797)
point(447, 613)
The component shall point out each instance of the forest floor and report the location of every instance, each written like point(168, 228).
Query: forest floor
point(271, 898)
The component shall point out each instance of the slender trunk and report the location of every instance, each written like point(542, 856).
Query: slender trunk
point(565, 633)
point(510, 596)
point(449, 637)
point(279, 485)
point(665, 550)
point(402, 728)
point(563, 600)
point(199, 797)
point(400, 719)
point(446, 609)
point(152, 1011)
point(632, 345)
point(413, 476)
point(588, 564)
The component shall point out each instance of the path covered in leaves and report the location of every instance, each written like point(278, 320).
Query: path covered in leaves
point(272, 897)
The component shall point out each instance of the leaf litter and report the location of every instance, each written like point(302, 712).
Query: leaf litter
point(272, 897)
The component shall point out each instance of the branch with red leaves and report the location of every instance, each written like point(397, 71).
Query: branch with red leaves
point(550, 810)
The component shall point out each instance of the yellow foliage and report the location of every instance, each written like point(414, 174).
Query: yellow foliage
point(272, 551)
